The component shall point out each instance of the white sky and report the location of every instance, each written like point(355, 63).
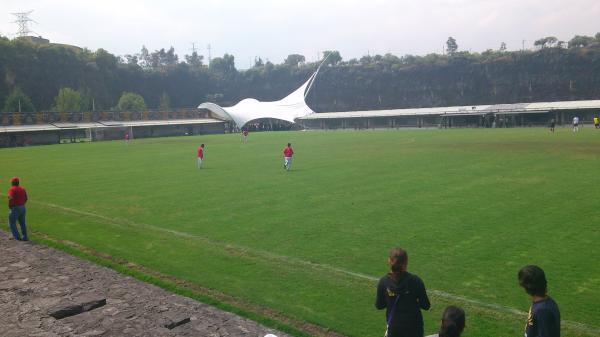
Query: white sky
point(272, 29)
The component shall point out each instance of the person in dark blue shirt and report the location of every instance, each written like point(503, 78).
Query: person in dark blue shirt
point(403, 295)
point(544, 316)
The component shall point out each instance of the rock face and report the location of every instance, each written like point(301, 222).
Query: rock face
point(45, 292)
point(66, 310)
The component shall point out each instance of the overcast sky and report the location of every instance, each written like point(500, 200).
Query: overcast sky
point(273, 29)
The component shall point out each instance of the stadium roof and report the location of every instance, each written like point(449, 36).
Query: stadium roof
point(289, 108)
point(473, 110)
point(107, 124)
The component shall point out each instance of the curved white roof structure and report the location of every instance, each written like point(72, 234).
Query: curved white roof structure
point(288, 109)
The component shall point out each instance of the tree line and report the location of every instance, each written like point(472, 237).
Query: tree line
point(42, 77)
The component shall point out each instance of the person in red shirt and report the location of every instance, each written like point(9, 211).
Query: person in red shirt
point(200, 155)
point(127, 137)
point(17, 197)
point(288, 152)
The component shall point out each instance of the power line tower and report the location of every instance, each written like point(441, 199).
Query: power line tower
point(23, 21)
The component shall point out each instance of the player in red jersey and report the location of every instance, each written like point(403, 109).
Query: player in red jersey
point(288, 153)
point(200, 155)
point(17, 198)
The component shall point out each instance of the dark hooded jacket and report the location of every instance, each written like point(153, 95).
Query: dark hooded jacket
point(406, 316)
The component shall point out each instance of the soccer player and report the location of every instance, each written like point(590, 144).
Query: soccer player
point(575, 124)
point(17, 198)
point(552, 125)
point(127, 137)
point(597, 122)
point(453, 322)
point(403, 295)
point(200, 155)
point(245, 136)
point(288, 152)
point(544, 316)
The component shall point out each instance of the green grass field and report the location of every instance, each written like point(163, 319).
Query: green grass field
point(471, 206)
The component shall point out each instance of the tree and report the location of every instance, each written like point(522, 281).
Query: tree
point(194, 60)
point(451, 46)
point(548, 41)
point(503, 47)
point(68, 100)
point(580, 41)
point(258, 62)
point(17, 101)
point(131, 102)
point(132, 60)
point(170, 58)
point(105, 60)
point(223, 65)
point(332, 57)
point(165, 102)
point(293, 60)
point(144, 58)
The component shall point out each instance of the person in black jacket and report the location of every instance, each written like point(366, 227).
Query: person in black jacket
point(403, 295)
point(544, 316)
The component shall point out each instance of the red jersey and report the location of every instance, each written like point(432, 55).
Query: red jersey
point(288, 152)
point(17, 196)
point(126, 136)
point(200, 152)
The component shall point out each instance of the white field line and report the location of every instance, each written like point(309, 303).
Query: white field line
point(582, 327)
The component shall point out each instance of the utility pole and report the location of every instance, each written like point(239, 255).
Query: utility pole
point(209, 54)
point(523, 44)
point(194, 47)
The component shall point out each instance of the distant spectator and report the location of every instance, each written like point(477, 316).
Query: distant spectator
point(544, 317)
point(403, 295)
point(552, 124)
point(17, 198)
point(596, 122)
point(453, 322)
point(200, 155)
point(288, 152)
point(575, 124)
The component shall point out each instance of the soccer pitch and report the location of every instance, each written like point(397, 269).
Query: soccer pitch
point(471, 206)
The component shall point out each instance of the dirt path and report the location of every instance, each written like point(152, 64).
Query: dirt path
point(36, 281)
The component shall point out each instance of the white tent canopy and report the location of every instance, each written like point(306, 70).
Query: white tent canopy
point(290, 108)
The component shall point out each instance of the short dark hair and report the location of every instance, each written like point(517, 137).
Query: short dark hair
point(289, 144)
point(453, 322)
point(202, 145)
point(533, 280)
